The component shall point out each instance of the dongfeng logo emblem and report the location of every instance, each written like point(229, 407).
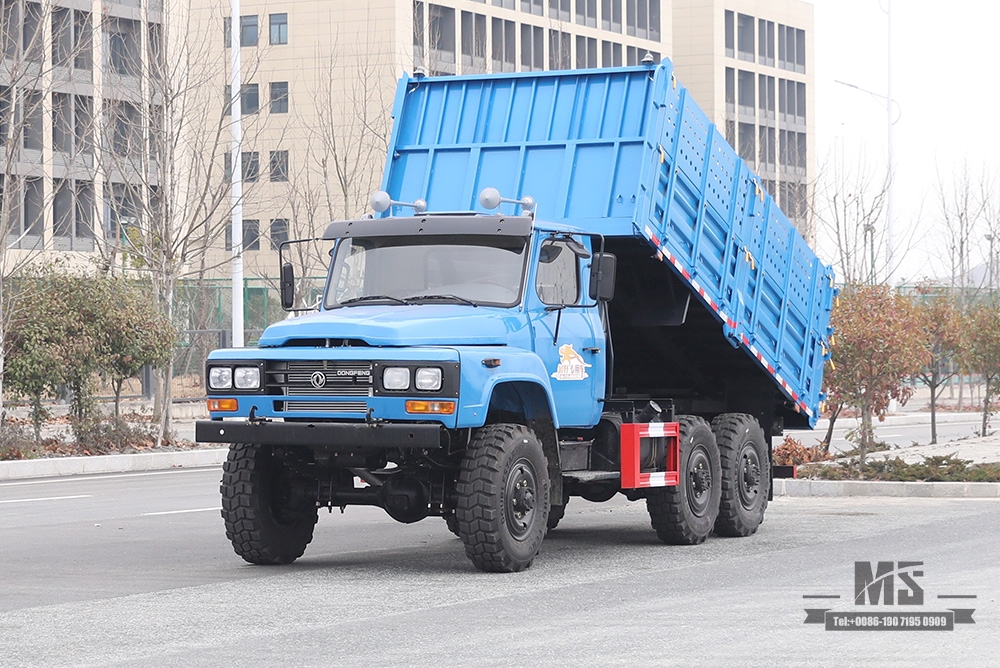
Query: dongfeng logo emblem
point(318, 379)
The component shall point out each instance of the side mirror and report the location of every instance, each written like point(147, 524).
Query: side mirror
point(602, 277)
point(287, 286)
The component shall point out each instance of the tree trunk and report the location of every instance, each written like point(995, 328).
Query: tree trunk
point(865, 442)
point(834, 414)
point(934, 386)
point(117, 384)
point(986, 407)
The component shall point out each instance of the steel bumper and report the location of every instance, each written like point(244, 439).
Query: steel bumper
point(325, 436)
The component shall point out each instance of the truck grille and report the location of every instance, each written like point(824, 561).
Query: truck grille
point(319, 378)
point(326, 406)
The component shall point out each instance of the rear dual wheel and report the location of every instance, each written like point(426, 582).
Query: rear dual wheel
point(746, 474)
point(685, 514)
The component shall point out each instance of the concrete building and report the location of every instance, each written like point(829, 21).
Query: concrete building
point(749, 63)
point(74, 114)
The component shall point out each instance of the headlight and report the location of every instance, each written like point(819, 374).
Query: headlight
point(396, 378)
point(220, 378)
point(246, 378)
point(428, 379)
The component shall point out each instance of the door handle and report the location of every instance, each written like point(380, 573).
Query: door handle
point(592, 350)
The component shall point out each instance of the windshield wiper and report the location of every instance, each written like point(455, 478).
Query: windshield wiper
point(455, 298)
point(371, 298)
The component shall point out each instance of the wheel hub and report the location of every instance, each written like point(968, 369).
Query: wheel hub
point(750, 476)
point(702, 480)
point(521, 499)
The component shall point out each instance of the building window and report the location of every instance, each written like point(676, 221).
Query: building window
point(611, 15)
point(744, 37)
point(83, 41)
point(765, 98)
point(34, 214)
point(279, 165)
point(62, 209)
point(791, 102)
point(765, 42)
point(123, 46)
point(62, 36)
point(586, 13)
point(31, 32)
point(766, 152)
point(642, 19)
point(473, 42)
point(279, 232)
point(251, 166)
point(251, 235)
point(559, 50)
point(83, 124)
point(748, 143)
point(747, 95)
point(504, 46)
point(611, 54)
point(730, 93)
point(249, 100)
point(532, 48)
point(279, 28)
point(441, 24)
point(279, 97)
point(791, 49)
point(506, 4)
point(126, 128)
point(62, 122)
point(586, 52)
point(33, 120)
point(730, 21)
point(559, 10)
point(532, 7)
point(248, 31)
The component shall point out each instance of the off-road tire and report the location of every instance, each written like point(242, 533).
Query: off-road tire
point(503, 498)
point(746, 474)
point(685, 514)
point(262, 524)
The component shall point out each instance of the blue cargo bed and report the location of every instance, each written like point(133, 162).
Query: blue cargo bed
point(626, 152)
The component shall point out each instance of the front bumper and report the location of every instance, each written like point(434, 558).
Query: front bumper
point(322, 436)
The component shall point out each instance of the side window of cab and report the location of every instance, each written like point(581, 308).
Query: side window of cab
point(558, 280)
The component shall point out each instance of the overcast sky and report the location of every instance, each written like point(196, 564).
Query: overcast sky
point(945, 57)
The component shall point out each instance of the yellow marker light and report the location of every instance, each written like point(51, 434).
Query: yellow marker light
point(215, 405)
point(436, 407)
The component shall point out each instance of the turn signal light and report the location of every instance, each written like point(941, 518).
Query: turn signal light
point(215, 405)
point(436, 407)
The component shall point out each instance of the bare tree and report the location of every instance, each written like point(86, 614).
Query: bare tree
point(849, 205)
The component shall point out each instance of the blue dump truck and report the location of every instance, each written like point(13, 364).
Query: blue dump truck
point(571, 286)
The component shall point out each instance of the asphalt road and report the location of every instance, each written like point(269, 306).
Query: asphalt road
point(135, 570)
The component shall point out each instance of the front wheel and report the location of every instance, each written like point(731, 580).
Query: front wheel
point(269, 519)
point(503, 498)
point(746, 474)
point(685, 514)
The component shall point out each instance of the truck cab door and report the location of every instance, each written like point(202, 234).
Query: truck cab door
point(567, 331)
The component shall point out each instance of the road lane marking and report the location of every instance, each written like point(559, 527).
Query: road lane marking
point(110, 476)
point(179, 512)
point(49, 498)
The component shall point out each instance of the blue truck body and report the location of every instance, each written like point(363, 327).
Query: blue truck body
point(444, 339)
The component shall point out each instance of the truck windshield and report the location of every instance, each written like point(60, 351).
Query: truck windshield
point(463, 269)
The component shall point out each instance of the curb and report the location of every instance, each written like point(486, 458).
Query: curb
point(145, 461)
point(158, 461)
point(942, 490)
